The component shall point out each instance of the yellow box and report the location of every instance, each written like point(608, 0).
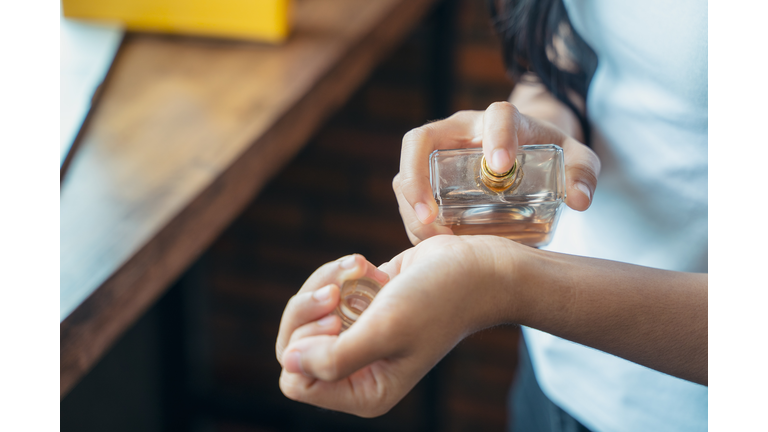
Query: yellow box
point(264, 20)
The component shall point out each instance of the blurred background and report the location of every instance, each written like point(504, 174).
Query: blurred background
point(202, 357)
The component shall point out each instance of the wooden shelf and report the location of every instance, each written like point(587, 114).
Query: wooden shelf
point(186, 133)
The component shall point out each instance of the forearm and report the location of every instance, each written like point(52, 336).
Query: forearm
point(653, 317)
point(532, 99)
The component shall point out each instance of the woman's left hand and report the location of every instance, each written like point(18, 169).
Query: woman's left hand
point(442, 290)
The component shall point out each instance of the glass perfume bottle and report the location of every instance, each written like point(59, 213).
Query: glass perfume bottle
point(522, 204)
point(356, 296)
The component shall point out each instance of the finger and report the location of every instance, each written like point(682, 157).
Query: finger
point(582, 167)
point(328, 325)
point(500, 141)
point(366, 393)
point(299, 311)
point(373, 337)
point(463, 129)
point(345, 268)
point(415, 230)
point(303, 308)
point(381, 336)
point(393, 266)
point(331, 358)
point(296, 385)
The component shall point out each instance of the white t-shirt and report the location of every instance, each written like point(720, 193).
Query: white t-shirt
point(647, 105)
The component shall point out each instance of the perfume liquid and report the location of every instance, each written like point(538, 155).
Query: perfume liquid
point(356, 296)
point(534, 234)
point(523, 204)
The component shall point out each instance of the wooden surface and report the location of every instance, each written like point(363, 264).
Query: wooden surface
point(186, 134)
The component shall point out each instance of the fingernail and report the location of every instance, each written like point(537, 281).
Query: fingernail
point(382, 276)
point(292, 362)
point(422, 212)
point(500, 161)
point(322, 294)
point(325, 322)
point(348, 262)
point(582, 187)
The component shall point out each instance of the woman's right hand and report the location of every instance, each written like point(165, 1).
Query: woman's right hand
point(500, 129)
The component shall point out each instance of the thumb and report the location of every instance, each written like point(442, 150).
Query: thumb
point(331, 358)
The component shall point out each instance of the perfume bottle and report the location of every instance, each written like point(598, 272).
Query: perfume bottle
point(522, 204)
point(356, 296)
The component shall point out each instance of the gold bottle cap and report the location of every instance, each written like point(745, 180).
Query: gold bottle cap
point(500, 182)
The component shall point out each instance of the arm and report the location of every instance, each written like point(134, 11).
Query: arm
point(652, 317)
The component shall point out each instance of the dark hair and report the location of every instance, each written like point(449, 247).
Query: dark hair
point(537, 37)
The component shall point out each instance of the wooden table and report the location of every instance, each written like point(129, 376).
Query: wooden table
point(185, 134)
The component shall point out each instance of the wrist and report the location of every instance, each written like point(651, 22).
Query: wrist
point(501, 281)
point(519, 279)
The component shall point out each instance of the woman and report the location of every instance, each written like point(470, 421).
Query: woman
point(615, 321)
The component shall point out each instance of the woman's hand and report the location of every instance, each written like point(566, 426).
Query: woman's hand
point(440, 291)
point(500, 129)
point(318, 297)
